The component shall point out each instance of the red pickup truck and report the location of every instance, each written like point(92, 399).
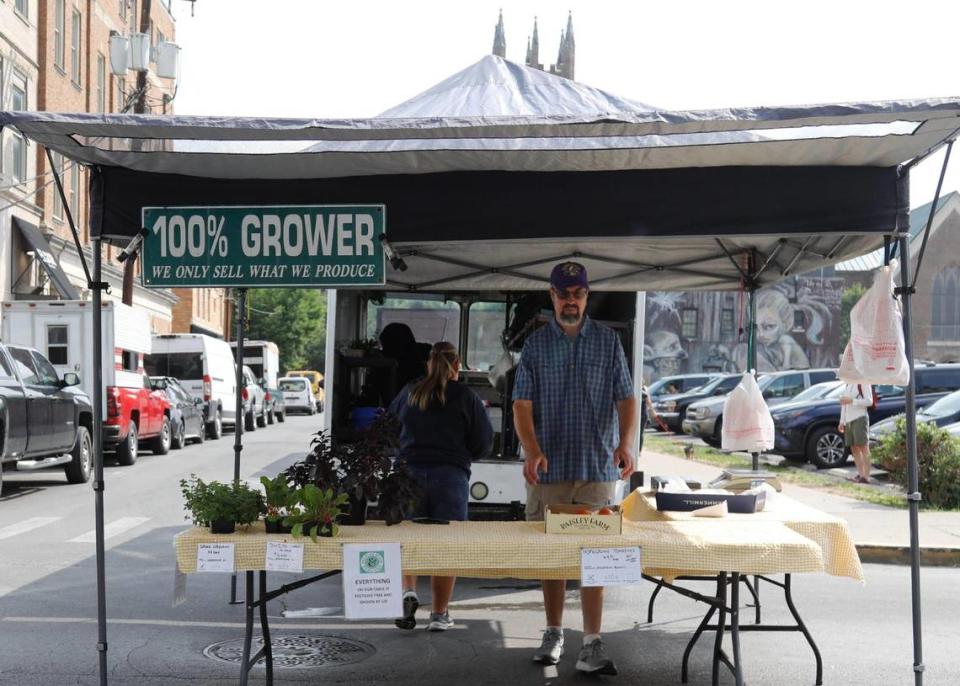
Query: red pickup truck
point(134, 414)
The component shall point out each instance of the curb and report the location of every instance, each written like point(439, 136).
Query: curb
point(900, 555)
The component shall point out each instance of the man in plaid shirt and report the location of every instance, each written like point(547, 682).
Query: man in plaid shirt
point(575, 413)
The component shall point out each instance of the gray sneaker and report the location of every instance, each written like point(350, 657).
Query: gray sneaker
point(551, 648)
point(593, 659)
point(440, 621)
point(410, 605)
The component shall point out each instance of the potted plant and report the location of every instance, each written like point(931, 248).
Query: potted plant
point(399, 492)
point(361, 347)
point(220, 506)
point(279, 498)
point(316, 511)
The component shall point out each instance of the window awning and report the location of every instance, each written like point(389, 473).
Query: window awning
point(44, 255)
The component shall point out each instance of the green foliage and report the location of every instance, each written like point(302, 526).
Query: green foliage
point(279, 495)
point(938, 462)
point(294, 319)
point(316, 512)
point(847, 301)
point(215, 501)
point(367, 345)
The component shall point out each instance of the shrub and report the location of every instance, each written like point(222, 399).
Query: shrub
point(938, 461)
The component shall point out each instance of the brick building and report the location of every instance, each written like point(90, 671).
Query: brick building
point(67, 43)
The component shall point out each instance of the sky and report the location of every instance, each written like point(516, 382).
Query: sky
point(318, 58)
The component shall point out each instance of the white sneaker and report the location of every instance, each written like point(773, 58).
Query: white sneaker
point(551, 648)
point(440, 621)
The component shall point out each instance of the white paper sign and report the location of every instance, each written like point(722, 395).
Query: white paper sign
point(610, 566)
point(284, 557)
point(372, 581)
point(215, 557)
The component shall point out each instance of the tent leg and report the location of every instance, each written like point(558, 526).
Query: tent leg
point(752, 354)
point(97, 439)
point(238, 417)
point(913, 495)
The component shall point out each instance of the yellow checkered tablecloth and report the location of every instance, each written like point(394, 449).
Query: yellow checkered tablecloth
point(521, 550)
point(828, 532)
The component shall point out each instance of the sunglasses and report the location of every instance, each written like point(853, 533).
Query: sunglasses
point(577, 294)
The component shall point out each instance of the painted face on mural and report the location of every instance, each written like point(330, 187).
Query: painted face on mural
point(664, 352)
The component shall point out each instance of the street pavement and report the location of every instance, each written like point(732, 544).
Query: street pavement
point(48, 604)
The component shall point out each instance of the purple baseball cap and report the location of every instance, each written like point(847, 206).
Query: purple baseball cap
point(569, 274)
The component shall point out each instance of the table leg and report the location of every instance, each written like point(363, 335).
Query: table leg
point(735, 627)
point(248, 635)
point(653, 597)
point(788, 595)
point(696, 636)
point(721, 623)
point(754, 589)
point(265, 628)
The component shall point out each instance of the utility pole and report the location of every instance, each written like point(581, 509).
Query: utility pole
point(139, 107)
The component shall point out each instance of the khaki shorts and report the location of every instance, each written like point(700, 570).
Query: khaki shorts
point(589, 493)
point(855, 433)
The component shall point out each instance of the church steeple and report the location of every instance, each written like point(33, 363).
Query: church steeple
point(500, 39)
point(533, 48)
point(566, 54)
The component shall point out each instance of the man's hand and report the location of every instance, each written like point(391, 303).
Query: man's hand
point(845, 400)
point(533, 464)
point(841, 428)
point(624, 460)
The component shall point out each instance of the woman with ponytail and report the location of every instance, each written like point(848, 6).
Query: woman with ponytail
point(444, 429)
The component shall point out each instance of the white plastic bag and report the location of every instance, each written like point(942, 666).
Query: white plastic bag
point(876, 352)
point(747, 424)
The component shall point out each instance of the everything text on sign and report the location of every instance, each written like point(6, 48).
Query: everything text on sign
point(307, 245)
point(372, 582)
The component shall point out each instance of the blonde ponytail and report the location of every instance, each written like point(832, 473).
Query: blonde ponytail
point(440, 367)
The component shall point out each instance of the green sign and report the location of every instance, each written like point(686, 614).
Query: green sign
point(256, 247)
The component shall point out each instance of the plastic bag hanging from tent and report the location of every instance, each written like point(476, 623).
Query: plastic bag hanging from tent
point(747, 424)
point(876, 351)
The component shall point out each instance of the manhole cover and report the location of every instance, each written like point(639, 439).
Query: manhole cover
point(297, 652)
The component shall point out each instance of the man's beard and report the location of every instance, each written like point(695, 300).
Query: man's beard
point(569, 319)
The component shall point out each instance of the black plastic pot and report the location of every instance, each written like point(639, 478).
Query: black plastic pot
point(222, 526)
point(275, 526)
point(357, 514)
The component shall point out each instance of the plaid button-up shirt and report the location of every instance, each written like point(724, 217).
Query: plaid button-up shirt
point(574, 384)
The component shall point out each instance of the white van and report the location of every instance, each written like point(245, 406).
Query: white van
point(204, 366)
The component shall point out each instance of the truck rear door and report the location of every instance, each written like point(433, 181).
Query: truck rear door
point(40, 438)
point(62, 410)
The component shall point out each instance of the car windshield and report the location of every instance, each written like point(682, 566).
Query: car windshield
point(948, 404)
point(293, 385)
point(668, 384)
point(818, 391)
point(177, 365)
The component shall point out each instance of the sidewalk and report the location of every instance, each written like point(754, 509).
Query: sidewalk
point(882, 534)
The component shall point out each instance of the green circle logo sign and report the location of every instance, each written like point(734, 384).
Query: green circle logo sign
point(372, 562)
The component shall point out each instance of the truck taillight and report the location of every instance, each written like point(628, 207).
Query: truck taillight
point(113, 401)
point(207, 387)
point(245, 394)
point(266, 396)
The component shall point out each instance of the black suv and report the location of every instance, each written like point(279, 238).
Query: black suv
point(809, 430)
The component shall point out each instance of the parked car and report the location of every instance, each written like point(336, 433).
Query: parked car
point(263, 358)
point(681, 383)
point(671, 408)
point(809, 431)
point(297, 394)
point(944, 411)
point(254, 399)
point(704, 418)
point(186, 412)
point(276, 406)
point(204, 366)
point(45, 421)
point(316, 385)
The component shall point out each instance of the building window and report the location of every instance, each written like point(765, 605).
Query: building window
point(134, 24)
point(58, 164)
point(689, 320)
point(73, 193)
point(18, 144)
point(121, 95)
point(59, 33)
point(75, 48)
point(23, 8)
point(945, 314)
point(131, 361)
point(57, 344)
point(726, 323)
point(101, 83)
point(123, 9)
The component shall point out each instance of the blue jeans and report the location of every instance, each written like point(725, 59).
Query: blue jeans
point(445, 490)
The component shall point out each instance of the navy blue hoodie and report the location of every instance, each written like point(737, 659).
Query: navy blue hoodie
point(456, 433)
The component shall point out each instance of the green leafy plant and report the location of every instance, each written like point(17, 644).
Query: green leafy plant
point(279, 496)
point(316, 512)
point(214, 501)
point(367, 345)
point(938, 462)
point(399, 492)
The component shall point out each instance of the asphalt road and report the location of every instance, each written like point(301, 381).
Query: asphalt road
point(48, 604)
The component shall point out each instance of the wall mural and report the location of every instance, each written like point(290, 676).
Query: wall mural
point(798, 327)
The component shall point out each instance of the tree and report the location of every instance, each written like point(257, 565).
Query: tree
point(847, 301)
point(293, 318)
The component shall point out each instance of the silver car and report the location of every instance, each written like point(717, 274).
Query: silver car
point(704, 418)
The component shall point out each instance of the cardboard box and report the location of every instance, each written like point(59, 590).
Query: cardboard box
point(694, 500)
point(564, 519)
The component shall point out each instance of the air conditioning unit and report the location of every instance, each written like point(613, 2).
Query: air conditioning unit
point(168, 60)
point(139, 51)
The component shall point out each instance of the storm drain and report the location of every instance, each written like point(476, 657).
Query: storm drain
point(297, 652)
